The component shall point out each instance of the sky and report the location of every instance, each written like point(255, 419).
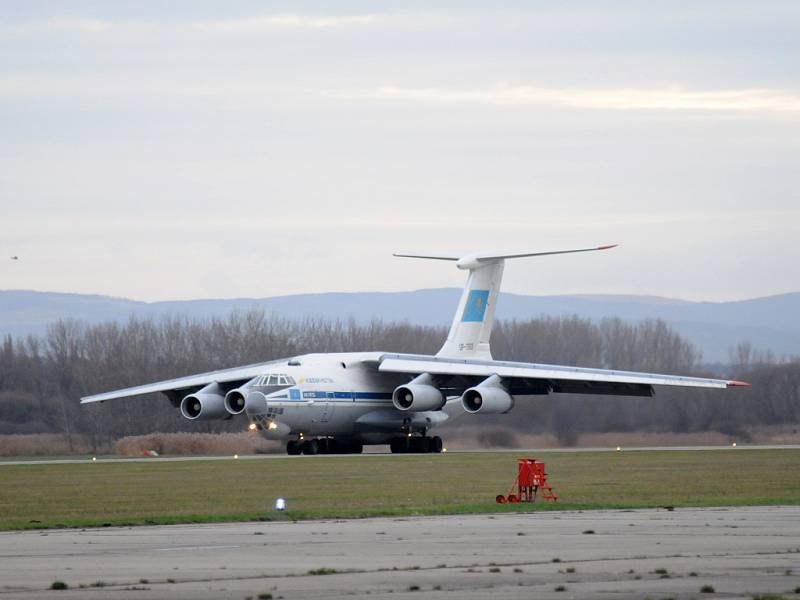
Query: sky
point(198, 149)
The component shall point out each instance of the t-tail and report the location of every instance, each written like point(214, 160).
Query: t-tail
point(472, 324)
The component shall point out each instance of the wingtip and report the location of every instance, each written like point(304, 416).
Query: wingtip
point(607, 247)
point(734, 383)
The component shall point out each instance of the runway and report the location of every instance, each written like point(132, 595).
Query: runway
point(736, 551)
point(9, 461)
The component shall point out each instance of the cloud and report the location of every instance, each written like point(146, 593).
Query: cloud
point(285, 21)
point(671, 98)
point(254, 24)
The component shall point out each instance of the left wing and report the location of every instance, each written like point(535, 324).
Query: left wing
point(532, 378)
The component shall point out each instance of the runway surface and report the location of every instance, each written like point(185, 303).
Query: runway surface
point(8, 461)
point(739, 552)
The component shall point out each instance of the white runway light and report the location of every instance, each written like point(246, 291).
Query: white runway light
point(280, 504)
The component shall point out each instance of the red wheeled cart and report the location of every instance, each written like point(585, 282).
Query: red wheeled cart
point(530, 480)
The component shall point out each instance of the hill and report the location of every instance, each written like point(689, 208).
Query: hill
point(769, 322)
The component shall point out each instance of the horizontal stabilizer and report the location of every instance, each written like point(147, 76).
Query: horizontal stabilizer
point(490, 256)
point(486, 256)
point(428, 256)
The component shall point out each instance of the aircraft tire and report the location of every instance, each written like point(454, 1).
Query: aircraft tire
point(311, 447)
point(436, 444)
point(397, 445)
point(423, 445)
point(293, 448)
point(326, 446)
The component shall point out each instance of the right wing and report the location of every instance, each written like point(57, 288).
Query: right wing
point(177, 388)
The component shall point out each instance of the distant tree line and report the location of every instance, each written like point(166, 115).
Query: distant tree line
point(42, 378)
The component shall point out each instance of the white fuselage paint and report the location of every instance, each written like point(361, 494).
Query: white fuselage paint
point(339, 394)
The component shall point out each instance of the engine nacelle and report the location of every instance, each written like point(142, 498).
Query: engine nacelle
point(418, 395)
point(203, 406)
point(235, 401)
point(488, 397)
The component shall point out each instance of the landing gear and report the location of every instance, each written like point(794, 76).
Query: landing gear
point(323, 446)
point(416, 445)
point(311, 447)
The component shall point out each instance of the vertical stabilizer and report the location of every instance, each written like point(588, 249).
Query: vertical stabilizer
point(472, 324)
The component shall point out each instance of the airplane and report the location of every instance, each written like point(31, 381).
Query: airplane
point(339, 402)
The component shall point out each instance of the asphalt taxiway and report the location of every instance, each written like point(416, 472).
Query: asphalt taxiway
point(737, 552)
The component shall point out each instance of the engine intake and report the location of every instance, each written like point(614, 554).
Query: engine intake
point(488, 397)
point(418, 395)
point(203, 406)
point(235, 402)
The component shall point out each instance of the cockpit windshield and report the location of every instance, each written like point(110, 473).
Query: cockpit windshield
point(274, 379)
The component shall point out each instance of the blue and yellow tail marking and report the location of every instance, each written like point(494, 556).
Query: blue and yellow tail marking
point(476, 306)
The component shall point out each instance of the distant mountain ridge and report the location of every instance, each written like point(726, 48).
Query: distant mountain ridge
point(769, 323)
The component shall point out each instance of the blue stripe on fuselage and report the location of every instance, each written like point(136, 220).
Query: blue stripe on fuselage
point(295, 394)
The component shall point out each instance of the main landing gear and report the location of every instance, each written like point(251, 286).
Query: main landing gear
point(416, 445)
point(322, 446)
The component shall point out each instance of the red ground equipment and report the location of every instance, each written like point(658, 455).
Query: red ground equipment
point(530, 480)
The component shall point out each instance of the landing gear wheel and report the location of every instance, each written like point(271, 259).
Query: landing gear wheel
point(398, 445)
point(423, 444)
point(436, 444)
point(311, 447)
point(293, 447)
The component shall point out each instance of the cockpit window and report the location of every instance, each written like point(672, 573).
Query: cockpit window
point(275, 379)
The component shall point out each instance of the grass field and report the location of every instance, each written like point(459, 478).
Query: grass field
point(39, 496)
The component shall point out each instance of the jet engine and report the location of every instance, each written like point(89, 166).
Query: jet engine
point(488, 397)
point(418, 395)
point(204, 405)
point(235, 401)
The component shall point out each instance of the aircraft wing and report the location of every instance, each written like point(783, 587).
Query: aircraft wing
point(532, 378)
point(186, 384)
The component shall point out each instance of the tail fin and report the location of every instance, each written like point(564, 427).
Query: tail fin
point(472, 324)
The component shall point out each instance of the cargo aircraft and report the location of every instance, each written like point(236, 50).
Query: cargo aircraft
point(338, 402)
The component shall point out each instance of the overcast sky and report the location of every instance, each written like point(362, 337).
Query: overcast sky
point(228, 149)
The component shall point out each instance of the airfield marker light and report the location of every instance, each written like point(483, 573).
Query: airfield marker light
point(236, 456)
point(444, 449)
point(280, 504)
point(94, 459)
point(733, 444)
point(252, 427)
point(618, 448)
